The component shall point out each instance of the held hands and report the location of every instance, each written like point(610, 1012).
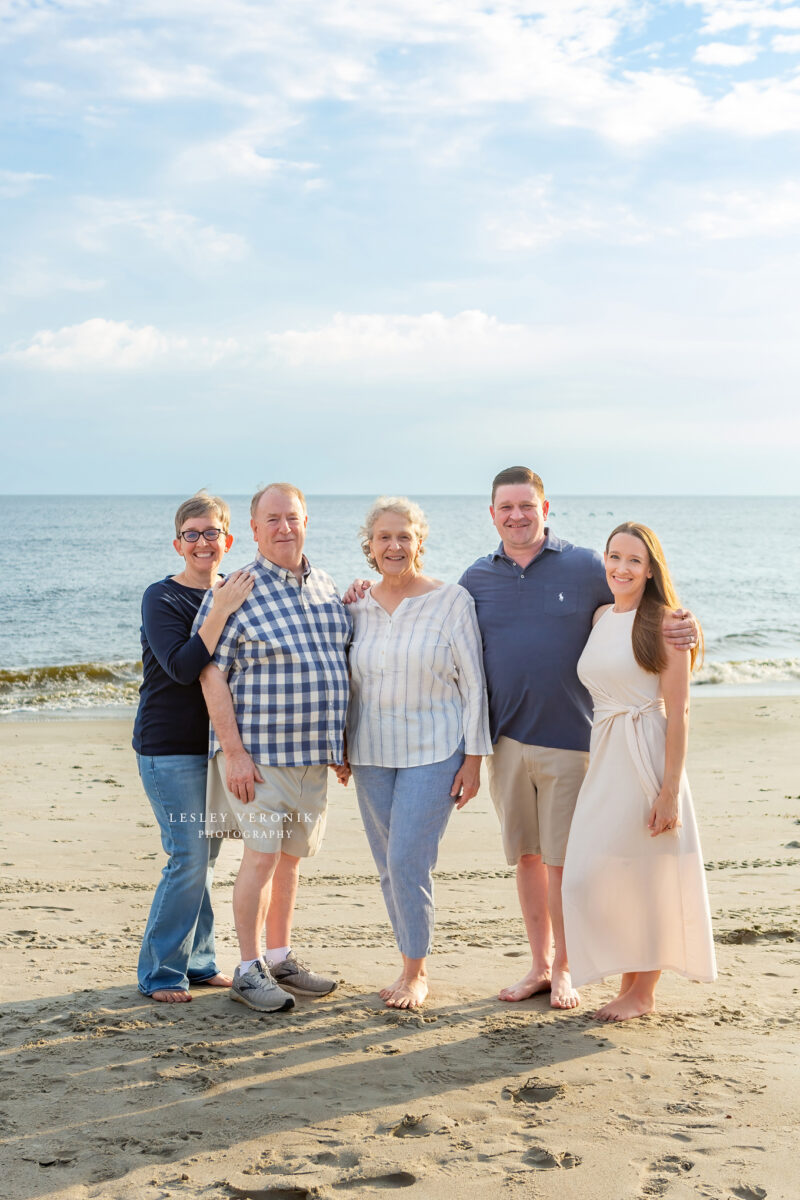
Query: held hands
point(357, 591)
point(467, 780)
point(229, 593)
point(342, 772)
point(680, 629)
point(664, 815)
point(241, 776)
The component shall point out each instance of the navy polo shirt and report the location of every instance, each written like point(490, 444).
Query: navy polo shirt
point(534, 622)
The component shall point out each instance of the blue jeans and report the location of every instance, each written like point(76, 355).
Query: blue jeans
point(405, 811)
point(178, 943)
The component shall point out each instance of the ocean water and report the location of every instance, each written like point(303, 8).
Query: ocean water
point(76, 567)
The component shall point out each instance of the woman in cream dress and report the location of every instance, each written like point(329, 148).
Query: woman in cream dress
point(635, 900)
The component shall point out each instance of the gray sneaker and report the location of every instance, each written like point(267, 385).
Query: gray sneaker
point(257, 989)
point(296, 977)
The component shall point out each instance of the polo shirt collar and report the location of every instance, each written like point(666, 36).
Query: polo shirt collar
point(280, 572)
point(551, 542)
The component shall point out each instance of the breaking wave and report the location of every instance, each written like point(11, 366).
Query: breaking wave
point(73, 685)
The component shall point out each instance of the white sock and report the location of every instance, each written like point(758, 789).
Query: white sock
point(246, 964)
point(276, 957)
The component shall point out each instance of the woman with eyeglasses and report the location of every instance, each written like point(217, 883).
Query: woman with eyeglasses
point(170, 737)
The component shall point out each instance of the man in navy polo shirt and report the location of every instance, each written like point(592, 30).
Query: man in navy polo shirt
point(535, 597)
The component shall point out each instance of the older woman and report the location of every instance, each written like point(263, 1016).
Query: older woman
point(170, 737)
point(418, 724)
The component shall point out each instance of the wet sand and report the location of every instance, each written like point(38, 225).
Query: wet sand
point(106, 1094)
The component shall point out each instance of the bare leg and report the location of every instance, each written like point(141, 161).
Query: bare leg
point(412, 987)
point(562, 993)
point(532, 892)
point(251, 894)
point(282, 899)
point(639, 999)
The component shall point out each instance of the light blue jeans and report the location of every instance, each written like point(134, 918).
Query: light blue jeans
point(405, 811)
point(178, 943)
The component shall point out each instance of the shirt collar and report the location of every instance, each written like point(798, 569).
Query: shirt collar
point(551, 542)
point(281, 572)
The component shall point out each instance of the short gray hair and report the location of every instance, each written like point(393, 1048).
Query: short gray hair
point(201, 505)
point(404, 508)
point(288, 489)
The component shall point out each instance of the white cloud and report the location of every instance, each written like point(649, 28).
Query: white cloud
point(786, 43)
point(239, 155)
point(723, 15)
point(560, 59)
point(181, 236)
point(744, 214)
point(92, 344)
point(406, 344)
point(535, 216)
point(100, 344)
point(35, 277)
point(18, 183)
point(725, 54)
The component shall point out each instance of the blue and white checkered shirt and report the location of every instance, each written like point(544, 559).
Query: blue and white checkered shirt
point(285, 654)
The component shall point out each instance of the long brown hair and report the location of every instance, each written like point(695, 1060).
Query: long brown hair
point(659, 596)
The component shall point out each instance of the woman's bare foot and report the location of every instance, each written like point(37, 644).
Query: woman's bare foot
point(386, 992)
point(536, 981)
point(170, 996)
point(562, 993)
point(218, 980)
point(623, 1008)
point(625, 985)
point(409, 993)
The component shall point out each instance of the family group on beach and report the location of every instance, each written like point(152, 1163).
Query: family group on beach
point(569, 671)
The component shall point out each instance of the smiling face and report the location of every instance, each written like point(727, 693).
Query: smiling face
point(394, 545)
point(519, 514)
point(202, 558)
point(627, 568)
point(279, 528)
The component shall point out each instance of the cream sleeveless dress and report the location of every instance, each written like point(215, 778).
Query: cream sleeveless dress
point(632, 902)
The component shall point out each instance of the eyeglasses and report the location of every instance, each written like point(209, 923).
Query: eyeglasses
point(194, 535)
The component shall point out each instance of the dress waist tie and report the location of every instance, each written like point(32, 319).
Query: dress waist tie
point(634, 736)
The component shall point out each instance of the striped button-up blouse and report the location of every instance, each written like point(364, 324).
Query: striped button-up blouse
point(417, 685)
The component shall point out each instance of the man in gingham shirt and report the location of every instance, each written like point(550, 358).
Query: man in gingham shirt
point(277, 693)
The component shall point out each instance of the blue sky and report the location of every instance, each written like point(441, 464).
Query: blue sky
point(396, 245)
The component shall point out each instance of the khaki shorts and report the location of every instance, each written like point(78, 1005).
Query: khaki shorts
point(288, 813)
point(534, 789)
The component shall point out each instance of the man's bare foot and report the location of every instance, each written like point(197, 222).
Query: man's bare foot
point(535, 982)
point(218, 980)
point(562, 993)
point(386, 992)
point(623, 1008)
point(409, 993)
point(170, 996)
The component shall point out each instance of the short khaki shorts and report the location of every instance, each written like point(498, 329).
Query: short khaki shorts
point(534, 789)
point(288, 813)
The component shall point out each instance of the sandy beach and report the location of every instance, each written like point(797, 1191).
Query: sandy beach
point(106, 1094)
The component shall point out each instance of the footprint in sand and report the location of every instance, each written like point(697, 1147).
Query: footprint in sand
point(660, 1174)
point(533, 1091)
point(395, 1179)
point(428, 1123)
point(749, 1191)
point(545, 1160)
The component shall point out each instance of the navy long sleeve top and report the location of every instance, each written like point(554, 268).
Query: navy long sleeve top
point(172, 717)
